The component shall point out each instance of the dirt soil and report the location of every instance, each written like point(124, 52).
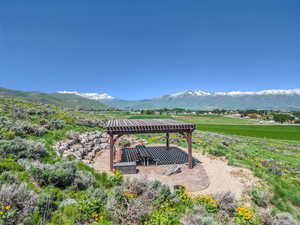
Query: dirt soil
point(211, 175)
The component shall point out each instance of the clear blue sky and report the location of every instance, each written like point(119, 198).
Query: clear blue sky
point(147, 48)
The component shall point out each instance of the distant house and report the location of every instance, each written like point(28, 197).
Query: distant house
point(235, 115)
point(253, 115)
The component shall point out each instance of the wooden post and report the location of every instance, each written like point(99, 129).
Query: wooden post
point(111, 153)
point(167, 141)
point(189, 142)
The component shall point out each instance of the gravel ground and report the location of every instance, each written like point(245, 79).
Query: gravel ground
point(210, 176)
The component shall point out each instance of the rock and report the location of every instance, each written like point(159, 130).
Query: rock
point(170, 171)
point(86, 161)
point(77, 155)
point(86, 146)
point(104, 146)
point(75, 147)
point(103, 140)
point(226, 144)
point(66, 202)
point(105, 135)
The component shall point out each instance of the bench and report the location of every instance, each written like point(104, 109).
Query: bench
point(126, 167)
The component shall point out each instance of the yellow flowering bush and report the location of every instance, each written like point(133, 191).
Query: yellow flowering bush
point(173, 135)
point(153, 139)
point(6, 214)
point(117, 178)
point(207, 201)
point(245, 216)
point(185, 195)
point(90, 210)
point(165, 215)
point(129, 195)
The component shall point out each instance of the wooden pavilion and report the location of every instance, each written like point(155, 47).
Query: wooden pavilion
point(118, 127)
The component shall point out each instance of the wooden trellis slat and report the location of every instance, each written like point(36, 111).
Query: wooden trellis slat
point(127, 126)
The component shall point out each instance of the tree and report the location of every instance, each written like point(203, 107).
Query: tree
point(281, 117)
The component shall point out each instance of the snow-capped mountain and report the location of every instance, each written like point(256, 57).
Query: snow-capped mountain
point(198, 99)
point(234, 93)
point(93, 96)
point(194, 93)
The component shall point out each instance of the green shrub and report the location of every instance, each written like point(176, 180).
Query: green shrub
point(20, 113)
point(98, 194)
point(61, 174)
point(226, 201)
point(9, 177)
point(17, 203)
point(124, 143)
point(284, 218)
point(45, 205)
point(218, 151)
point(8, 164)
point(9, 135)
point(198, 216)
point(89, 122)
point(134, 199)
point(22, 128)
point(116, 179)
point(83, 180)
point(261, 198)
point(22, 148)
point(5, 122)
point(54, 124)
point(43, 111)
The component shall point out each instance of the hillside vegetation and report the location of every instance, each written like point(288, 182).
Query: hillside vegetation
point(39, 187)
point(61, 100)
point(275, 163)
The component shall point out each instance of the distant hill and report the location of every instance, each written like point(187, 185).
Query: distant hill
point(58, 99)
point(200, 100)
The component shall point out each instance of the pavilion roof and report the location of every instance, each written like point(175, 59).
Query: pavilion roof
point(132, 126)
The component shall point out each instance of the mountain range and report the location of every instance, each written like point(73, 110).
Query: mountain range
point(201, 100)
point(195, 100)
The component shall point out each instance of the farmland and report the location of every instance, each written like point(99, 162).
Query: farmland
point(280, 132)
point(215, 119)
point(232, 126)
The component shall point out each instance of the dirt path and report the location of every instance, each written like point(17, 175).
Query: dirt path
point(210, 176)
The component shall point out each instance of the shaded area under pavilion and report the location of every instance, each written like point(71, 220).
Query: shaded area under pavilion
point(158, 155)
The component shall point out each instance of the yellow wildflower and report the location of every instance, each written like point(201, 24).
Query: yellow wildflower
point(245, 213)
point(129, 195)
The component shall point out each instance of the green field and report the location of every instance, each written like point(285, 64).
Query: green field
point(150, 117)
point(215, 119)
point(262, 131)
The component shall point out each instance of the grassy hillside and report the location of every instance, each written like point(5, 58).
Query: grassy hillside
point(61, 100)
point(37, 186)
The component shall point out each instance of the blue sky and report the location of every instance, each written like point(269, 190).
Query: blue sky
point(142, 49)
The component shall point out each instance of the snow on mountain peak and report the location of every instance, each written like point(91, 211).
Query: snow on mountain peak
point(236, 93)
point(194, 93)
point(93, 96)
